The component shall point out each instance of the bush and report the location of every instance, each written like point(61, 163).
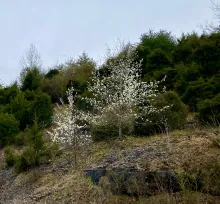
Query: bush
point(51, 73)
point(173, 117)
point(20, 107)
point(32, 153)
point(20, 164)
point(31, 79)
point(26, 104)
point(55, 87)
point(210, 175)
point(9, 127)
point(10, 157)
point(6, 94)
point(209, 110)
point(107, 132)
point(107, 128)
point(197, 91)
point(20, 139)
point(42, 107)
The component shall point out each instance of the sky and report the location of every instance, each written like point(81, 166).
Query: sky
point(63, 29)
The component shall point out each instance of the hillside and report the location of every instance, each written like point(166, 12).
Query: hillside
point(190, 152)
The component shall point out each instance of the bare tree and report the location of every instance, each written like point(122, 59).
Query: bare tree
point(210, 27)
point(31, 59)
point(31, 62)
point(216, 9)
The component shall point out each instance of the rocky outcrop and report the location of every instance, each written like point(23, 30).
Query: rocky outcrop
point(96, 174)
point(134, 181)
point(137, 171)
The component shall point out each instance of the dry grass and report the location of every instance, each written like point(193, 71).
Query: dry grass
point(185, 150)
point(75, 188)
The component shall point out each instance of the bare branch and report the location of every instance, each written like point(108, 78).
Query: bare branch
point(32, 58)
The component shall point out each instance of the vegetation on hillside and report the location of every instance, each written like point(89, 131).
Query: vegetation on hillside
point(143, 89)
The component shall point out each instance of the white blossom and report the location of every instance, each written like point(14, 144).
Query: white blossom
point(69, 126)
point(122, 92)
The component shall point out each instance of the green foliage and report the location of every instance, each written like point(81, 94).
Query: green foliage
point(207, 54)
point(200, 90)
point(155, 49)
point(162, 39)
point(191, 64)
point(171, 77)
point(20, 138)
point(26, 104)
point(204, 179)
point(85, 60)
point(177, 113)
point(55, 87)
point(204, 50)
point(210, 175)
point(32, 79)
point(9, 127)
point(209, 110)
point(185, 48)
point(107, 128)
point(32, 153)
point(41, 106)
point(51, 73)
point(20, 164)
point(19, 107)
point(107, 132)
point(157, 59)
point(74, 74)
point(8, 93)
point(10, 158)
point(189, 181)
point(171, 118)
point(83, 104)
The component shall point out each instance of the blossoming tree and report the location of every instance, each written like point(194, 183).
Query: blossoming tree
point(121, 93)
point(69, 127)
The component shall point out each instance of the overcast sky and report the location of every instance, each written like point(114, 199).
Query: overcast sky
point(61, 29)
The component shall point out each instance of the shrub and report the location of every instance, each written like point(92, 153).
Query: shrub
point(210, 175)
point(55, 87)
point(31, 79)
point(107, 132)
point(107, 128)
point(20, 164)
point(20, 107)
point(26, 104)
point(209, 110)
point(51, 73)
point(9, 127)
point(10, 157)
point(7, 93)
point(42, 107)
point(172, 117)
point(20, 139)
point(32, 153)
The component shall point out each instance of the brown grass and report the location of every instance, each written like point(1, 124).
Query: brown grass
point(184, 150)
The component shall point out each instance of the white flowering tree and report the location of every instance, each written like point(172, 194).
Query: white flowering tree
point(69, 127)
point(121, 93)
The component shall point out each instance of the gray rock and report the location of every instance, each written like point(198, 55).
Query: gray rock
point(96, 174)
point(134, 181)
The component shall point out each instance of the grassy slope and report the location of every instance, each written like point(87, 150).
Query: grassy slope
point(57, 182)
